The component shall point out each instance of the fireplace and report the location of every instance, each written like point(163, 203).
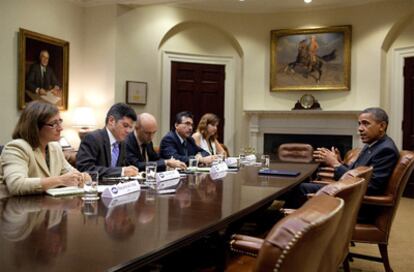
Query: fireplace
point(319, 128)
point(273, 141)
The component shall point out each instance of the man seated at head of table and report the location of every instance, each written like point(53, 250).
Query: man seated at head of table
point(140, 149)
point(179, 144)
point(103, 150)
point(379, 152)
point(33, 161)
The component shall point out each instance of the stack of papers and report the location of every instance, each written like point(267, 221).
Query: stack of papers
point(71, 190)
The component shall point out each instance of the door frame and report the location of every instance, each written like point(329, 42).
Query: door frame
point(396, 93)
point(229, 89)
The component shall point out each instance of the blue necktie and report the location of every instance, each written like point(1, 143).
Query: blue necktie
point(185, 147)
point(115, 154)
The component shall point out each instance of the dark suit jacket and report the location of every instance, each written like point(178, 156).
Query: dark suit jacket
point(135, 157)
point(171, 147)
point(383, 156)
point(34, 78)
point(95, 154)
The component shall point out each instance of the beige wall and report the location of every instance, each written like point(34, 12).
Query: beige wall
point(109, 45)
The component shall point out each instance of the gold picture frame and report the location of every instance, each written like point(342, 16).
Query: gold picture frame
point(311, 59)
point(136, 92)
point(49, 83)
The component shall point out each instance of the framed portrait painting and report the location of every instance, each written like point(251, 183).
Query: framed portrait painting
point(136, 92)
point(43, 69)
point(311, 59)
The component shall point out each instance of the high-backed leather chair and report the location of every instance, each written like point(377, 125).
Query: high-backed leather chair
point(351, 189)
point(294, 152)
point(298, 242)
point(387, 204)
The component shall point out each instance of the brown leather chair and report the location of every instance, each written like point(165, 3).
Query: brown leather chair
point(387, 204)
point(294, 152)
point(298, 242)
point(351, 189)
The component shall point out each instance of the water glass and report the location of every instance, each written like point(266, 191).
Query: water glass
point(242, 159)
point(90, 207)
point(265, 160)
point(150, 172)
point(192, 163)
point(91, 186)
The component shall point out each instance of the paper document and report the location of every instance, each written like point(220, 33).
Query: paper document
point(71, 190)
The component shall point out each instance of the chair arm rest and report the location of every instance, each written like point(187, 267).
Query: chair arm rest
point(386, 200)
point(326, 169)
point(246, 245)
point(287, 212)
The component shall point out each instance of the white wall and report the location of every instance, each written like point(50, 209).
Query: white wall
point(141, 30)
point(61, 20)
point(109, 45)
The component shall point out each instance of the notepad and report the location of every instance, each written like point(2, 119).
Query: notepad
point(70, 190)
point(285, 173)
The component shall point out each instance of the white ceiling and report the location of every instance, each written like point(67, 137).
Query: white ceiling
point(246, 6)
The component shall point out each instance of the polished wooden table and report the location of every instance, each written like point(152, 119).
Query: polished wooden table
point(41, 233)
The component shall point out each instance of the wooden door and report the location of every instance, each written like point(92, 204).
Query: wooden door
point(198, 88)
point(408, 118)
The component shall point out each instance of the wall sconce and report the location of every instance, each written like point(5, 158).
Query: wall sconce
point(84, 119)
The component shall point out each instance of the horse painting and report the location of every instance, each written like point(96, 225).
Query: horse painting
point(308, 65)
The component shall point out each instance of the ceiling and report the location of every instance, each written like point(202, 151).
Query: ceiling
point(246, 6)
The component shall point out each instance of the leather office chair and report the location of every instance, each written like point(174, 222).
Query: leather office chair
point(351, 189)
point(294, 152)
point(298, 242)
point(387, 204)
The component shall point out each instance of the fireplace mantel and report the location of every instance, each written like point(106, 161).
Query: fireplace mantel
point(301, 122)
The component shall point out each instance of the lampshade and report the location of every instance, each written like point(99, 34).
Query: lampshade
point(83, 117)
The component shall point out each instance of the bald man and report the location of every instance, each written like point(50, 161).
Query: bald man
point(139, 147)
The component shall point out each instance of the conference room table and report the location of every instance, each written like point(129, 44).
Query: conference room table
point(43, 233)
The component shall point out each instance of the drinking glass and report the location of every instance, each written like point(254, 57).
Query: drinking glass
point(91, 186)
point(265, 159)
point(192, 163)
point(242, 159)
point(150, 172)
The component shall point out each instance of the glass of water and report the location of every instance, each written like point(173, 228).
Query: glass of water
point(192, 163)
point(91, 186)
point(265, 160)
point(150, 172)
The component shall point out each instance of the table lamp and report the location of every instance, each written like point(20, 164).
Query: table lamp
point(84, 119)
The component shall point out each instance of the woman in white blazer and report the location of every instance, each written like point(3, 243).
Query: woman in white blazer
point(33, 161)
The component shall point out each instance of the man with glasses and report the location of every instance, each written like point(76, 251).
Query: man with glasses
point(178, 143)
point(139, 146)
point(103, 150)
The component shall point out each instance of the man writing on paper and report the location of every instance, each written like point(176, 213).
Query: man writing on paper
point(103, 150)
point(139, 146)
point(41, 80)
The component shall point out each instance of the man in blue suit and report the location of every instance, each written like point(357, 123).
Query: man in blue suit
point(179, 144)
point(379, 152)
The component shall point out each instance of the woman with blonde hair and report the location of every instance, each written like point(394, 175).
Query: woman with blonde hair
point(206, 135)
point(33, 161)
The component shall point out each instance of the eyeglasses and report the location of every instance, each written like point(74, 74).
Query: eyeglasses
point(188, 124)
point(55, 124)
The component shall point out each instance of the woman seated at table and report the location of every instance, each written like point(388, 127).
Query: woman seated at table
point(206, 135)
point(33, 162)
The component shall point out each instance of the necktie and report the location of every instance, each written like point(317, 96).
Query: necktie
point(115, 154)
point(42, 78)
point(185, 148)
point(144, 152)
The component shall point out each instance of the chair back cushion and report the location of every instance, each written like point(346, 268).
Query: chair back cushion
point(294, 152)
point(351, 190)
point(298, 242)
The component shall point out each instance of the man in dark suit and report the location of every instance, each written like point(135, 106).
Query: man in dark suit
point(179, 144)
point(41, 78)
point(379, 152)
point(103, 150)
point(139, 146)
